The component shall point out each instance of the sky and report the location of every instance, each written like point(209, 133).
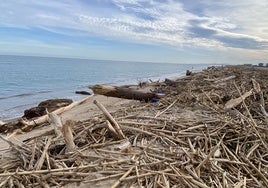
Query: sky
point(173, 31)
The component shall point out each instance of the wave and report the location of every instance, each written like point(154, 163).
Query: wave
point(23, 95)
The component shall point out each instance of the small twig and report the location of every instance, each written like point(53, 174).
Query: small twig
point(110, 127)
point(122, 178)
point(158, 114)
point(256, 170)
point(104, 178)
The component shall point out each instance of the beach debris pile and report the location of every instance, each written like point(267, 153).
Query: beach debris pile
point(209, 130)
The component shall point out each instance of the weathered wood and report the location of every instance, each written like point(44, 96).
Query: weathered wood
point(234, 102)
point(68, 136)
point(53, 103)
point(46, 106)
point(256, 85)
point(32, 123)
point(110, 118)
point(112, 130)
point(64, 131)
point(55, 121)
point(41, 161)
point(225, 79)
point(122, 92)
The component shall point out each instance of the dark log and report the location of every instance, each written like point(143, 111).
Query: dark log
point(82, 92)
point(49, 105)
point(189, 73)
point(170, 82)
point(34, 112)
point(125, 93)
point(10, 126)
point(55, 103)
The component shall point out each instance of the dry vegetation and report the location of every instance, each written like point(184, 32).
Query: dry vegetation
point(190, 138)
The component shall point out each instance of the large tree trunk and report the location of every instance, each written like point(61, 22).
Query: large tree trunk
point(122, 92)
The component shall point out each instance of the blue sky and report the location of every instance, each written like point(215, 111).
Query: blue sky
point(175, 31)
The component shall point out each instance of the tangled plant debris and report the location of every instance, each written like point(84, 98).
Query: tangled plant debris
point(209, 130)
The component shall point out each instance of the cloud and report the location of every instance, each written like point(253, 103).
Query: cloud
point(200, 32)
point(223, 34)
point(180, 23)
point(246, 43)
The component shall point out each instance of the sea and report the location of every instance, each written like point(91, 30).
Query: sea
point(25, 81)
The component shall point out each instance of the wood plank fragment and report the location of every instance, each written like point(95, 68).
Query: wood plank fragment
point(234, 102)
point(225, 79)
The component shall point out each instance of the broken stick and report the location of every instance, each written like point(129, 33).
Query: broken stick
point(110, 118)
point(234, 102)
point(56, 122)
point(68, 136)
point(63, 130)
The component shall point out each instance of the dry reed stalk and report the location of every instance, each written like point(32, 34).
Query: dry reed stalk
point(116, 184)
point(30, 167)
point(110, 127)
point(160, 113)
point(40, 162)
point(256, 170)
point(104, 178)
point(253, 124)
point(64, 169)
point(111, 119)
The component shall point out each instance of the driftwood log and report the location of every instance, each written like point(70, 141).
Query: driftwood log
point(83, 92)
point(26, 125)
point(47, 105)
point(125, 93)
point(43, 119)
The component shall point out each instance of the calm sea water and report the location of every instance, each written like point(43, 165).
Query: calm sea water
point(26, 81)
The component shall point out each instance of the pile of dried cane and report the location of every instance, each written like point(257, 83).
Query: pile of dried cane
point(211, 130)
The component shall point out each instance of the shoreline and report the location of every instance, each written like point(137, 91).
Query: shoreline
point(48, 79)
point(75, 97)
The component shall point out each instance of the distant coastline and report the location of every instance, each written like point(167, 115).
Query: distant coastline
point(261, 65)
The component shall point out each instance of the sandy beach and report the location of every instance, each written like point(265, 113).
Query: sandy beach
point(209, 127)
point(81, 112)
